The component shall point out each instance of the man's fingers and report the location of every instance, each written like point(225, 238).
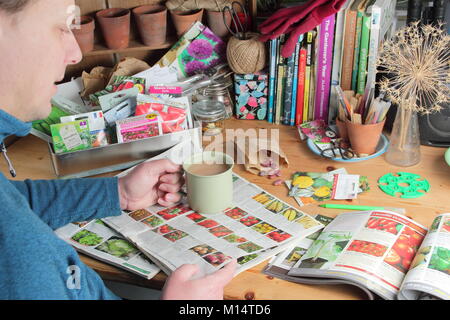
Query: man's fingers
point(169, 199)
point(168, 166)
point(185, 272)
point(224, 275)
point(172, 178)
point(169, 188)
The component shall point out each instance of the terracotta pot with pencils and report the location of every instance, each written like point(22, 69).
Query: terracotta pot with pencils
point(360, 126)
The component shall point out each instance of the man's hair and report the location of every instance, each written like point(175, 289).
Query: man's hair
point(13, 6)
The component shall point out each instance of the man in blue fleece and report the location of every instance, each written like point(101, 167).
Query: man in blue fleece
point(36, 45)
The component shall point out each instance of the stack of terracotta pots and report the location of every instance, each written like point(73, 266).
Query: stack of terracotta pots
point(115, 26)
point(151, 22)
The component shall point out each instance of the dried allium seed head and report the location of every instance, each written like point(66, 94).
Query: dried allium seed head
point(417, 63)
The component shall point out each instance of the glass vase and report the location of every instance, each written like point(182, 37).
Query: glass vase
point(404, 148)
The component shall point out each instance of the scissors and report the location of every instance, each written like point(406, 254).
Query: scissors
point(337, 148)
point(240, 30)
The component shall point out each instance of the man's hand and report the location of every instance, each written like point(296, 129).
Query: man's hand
point(149, 183)
point(184, 284)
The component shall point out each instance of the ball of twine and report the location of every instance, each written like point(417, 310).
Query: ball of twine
point(246, 56)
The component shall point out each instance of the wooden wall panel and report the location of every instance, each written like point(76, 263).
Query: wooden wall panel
point(89, 7)
point(131, 3)
point(151, 57)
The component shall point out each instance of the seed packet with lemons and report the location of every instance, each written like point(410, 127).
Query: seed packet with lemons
point(312, 187)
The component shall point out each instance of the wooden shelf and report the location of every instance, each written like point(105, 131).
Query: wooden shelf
point(133, 46)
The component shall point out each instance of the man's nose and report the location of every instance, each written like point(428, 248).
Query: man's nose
point(74, 54)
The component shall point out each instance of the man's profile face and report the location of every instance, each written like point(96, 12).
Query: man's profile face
point(36, 45)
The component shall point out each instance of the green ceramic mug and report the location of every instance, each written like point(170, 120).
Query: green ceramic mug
point(447, 156)
point(209, 191)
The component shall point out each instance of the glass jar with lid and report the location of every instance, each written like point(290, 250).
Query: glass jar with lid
point(212, 115)
point(219, 91)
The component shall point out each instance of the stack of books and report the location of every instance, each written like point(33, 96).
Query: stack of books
point(342, 51)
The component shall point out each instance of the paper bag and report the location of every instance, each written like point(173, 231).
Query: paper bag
point(95, 81)
point(253, 153)
point(127, 67)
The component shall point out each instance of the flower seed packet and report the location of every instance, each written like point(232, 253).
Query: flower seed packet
point(139, 127)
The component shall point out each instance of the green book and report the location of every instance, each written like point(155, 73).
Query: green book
point(364, 54)
point(356, 53)
point(280, 93)
point(279, 88)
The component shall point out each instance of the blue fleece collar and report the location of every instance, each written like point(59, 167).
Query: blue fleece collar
point(10, 125)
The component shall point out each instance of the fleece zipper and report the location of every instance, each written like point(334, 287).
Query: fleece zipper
point(10, 166)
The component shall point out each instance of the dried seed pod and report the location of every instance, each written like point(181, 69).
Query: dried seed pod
point(278, 182)
point(263, 173)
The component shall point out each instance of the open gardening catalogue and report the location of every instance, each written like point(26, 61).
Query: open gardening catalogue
point(383, 253)
point(255, 228)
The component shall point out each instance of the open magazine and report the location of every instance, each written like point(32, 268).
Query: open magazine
point(383, 253)
point(97, 240)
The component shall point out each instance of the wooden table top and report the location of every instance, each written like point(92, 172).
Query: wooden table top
point(31, 160)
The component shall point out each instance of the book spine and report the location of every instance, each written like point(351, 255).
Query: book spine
point(279, 89)
point(295, 81)
point(375, 22)
point(301, 86)
point(280, 92)
point(324, 65)
point(362, 73)
point(272, 78)
point(337, 63)
point(356, 53)
point(288, 89)
point(312, 82)
point(309, 46)
point(349, 47)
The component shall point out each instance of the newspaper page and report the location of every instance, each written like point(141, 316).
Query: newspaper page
point(257, 227)
point(97, 240)
point(429, 273)
point(373, 249)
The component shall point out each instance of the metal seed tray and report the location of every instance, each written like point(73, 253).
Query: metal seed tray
point(115, 157)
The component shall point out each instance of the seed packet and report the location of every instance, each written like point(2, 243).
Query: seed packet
point(120, 112)
point(97, 126)
point(111, 100)
point(139, 127)
point(71, 136)
point(119, 83)
point(173, 114)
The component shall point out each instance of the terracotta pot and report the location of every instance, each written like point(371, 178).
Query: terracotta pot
point(217, 24)
point(342, 130)
point(115, 25)
point(85, 34)
point(364, 138)
point(183, 20)
point(151, 21)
